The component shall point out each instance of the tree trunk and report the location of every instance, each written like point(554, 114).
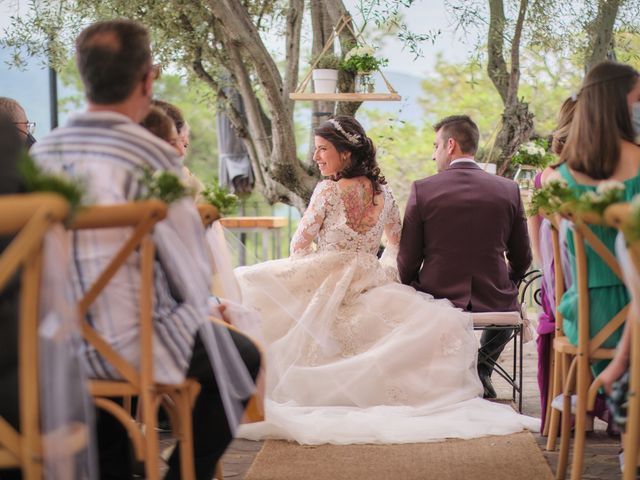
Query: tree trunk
point(516, 121)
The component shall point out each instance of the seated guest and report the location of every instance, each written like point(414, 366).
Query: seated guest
point(540, 234)
point(10, 182)
point(600, 146)
point(182, 127)
point(106, 148)
point(59, 364)
point(14, 111)
point(161, 125)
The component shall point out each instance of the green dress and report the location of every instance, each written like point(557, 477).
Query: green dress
point(607, 293)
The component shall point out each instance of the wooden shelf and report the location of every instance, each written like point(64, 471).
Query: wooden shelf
point(346, 97)
point(253, 222)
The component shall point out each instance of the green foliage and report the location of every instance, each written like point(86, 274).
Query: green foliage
point(557, 193)
point(221, 198)
point(547, 80)
point(550, 198)
point(38, 180)
point(328, 61)
point(404, 151)
point(362, 59)
point(163, 185)
point(534, 153)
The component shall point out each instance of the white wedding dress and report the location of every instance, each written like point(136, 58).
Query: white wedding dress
point(353, 356)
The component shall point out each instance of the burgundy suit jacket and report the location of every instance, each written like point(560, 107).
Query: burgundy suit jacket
point(458, 226)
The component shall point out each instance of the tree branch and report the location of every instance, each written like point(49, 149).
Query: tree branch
point(294, 28)
point(514, 77)
point(601, 38)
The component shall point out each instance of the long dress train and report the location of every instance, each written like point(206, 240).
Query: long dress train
point(353, 356)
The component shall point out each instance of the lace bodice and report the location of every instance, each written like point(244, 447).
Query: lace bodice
point(346, 220)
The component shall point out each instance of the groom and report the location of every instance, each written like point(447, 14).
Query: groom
point(458, 226)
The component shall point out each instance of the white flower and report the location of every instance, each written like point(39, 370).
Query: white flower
point(608, 186)
point(359, 52)
point(591, 196)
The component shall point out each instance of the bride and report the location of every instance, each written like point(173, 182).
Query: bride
point(354, 356)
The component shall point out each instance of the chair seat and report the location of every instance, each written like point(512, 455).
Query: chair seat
point(497, 319)
point(562, 345)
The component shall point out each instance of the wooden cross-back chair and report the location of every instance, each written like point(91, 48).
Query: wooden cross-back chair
point(577, 359)
point(29, 217)
point(619, 216)
point(255, 408)
point(552, 417)
point(177, 399)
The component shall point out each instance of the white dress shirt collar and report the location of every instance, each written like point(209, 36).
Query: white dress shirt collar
point(462, 159)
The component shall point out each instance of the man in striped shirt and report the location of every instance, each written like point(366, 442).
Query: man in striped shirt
point(107, 149)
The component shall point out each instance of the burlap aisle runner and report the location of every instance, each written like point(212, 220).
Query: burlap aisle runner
point(509, 457)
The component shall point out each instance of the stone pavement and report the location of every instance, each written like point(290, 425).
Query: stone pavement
point(601, 459)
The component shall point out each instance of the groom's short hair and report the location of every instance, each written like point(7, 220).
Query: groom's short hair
point(462, 129)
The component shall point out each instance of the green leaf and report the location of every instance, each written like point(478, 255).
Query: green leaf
point(221, 198)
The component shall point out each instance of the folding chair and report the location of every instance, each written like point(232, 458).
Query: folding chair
point(142, 217)
point(30, 216)
point(576, 359)
point(619, 216)
point(255, 409)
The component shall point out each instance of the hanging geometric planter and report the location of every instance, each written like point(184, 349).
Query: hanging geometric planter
point(299, 94)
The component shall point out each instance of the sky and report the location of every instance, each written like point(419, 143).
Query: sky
point(31, 87)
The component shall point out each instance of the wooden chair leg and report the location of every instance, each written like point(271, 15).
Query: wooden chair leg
point(152, 443)
point(219, 473)
point(183, 405)
point(631, 441)
point(583, 382)
point(556, 389)
point(565, 430)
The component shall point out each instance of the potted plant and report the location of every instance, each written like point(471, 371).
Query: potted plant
point(361, 61)
point(530, 157)
point(325, 74)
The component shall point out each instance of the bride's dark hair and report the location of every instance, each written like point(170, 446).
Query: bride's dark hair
point(347, 135)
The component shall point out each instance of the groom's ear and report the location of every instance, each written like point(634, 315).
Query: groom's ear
point(451, 145)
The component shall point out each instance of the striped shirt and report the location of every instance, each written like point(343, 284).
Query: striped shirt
point(106, 152)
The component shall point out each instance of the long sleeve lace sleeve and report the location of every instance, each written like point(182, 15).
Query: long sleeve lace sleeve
point(392, 231)
point(311, 221)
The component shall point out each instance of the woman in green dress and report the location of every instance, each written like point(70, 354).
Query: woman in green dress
point(600, 147)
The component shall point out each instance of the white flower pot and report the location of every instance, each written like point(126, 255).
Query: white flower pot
point(325, 80)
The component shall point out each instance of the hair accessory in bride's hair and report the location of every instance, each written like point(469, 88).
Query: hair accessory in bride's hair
point(352, 138)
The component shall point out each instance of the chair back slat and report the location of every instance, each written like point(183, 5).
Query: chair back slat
point(30, 216)
point(208, 214)
point(558, 271)
point(600, 248)
point(609, 329)
point(142, 216)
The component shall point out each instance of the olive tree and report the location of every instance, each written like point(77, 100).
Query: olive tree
point(228, 45)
